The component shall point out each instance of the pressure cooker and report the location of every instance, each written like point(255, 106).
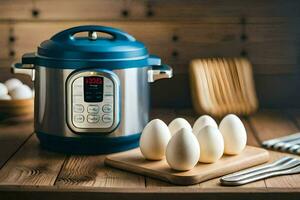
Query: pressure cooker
point(92, 90)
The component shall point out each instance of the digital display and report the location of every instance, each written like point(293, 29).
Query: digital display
point(93, 89)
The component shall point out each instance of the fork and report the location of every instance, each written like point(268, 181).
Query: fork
point(293, 170)
point(250, 175)
point(257, 169)
point(281, 140)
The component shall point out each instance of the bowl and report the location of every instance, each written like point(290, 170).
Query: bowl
point(16, 108)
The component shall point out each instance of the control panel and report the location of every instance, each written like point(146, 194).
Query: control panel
point(93, 101)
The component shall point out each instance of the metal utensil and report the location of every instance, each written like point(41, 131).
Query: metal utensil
point(293, 170)
point(246, 176)
point(285, 139)
point(252, 170)
point(287, 146)
point(283, 162)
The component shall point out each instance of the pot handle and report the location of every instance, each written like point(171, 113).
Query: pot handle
point(68, 35)
point(159, 72)
point(27, 69)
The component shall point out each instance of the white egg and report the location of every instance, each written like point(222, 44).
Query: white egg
point(183, 150)
point(178, 124)
point(21, 92)
point(5, 97)
point(3, 89)
point(12, 83)
point(234, 134)
point(154, 140)
point(202, 121)
point(211, 144)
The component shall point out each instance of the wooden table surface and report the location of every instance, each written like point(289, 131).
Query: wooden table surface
point(28, 172)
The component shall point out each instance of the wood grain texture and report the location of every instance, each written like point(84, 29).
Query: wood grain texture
point(16, 9)
point(272, 124)
point(133, 161)
point(285, 95)
point(197, 36)
point(189, 114)
point(4, 40)
point(251, 137)
point(214, 183)
point(31, 166)
point(164, 9)
point(168, 115)
point(277, 91)
point(14, 108)
point(278, 69)
point(186, 193)
point(91, 9)
point(165, 114)
point(6, 64)
point(270, 32)
point(290, 181)
point(211, 10)
point(275, 60)
point(295, 116)
point(194, 40)
point(90, 171)
point(11, 138)
point(266, 31)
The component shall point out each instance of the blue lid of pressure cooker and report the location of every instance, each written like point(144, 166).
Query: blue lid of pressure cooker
point(65, 50)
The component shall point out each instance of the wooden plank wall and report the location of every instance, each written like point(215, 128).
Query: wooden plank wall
point(266, 31)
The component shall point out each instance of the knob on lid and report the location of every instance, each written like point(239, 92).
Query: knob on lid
point(93, 35)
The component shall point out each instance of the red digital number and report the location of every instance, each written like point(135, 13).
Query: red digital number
point(93, 80)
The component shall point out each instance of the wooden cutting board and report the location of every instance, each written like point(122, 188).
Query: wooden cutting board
point(133, 161)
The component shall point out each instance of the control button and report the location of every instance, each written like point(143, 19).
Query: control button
point(93, 118)
point(79, 118)
point(106, 118)
point(107, 108)
point(108, 86)
point(78, 108)
point(93, 109)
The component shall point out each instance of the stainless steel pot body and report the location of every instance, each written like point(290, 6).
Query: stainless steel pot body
point(99, 109)
point(51, 102)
